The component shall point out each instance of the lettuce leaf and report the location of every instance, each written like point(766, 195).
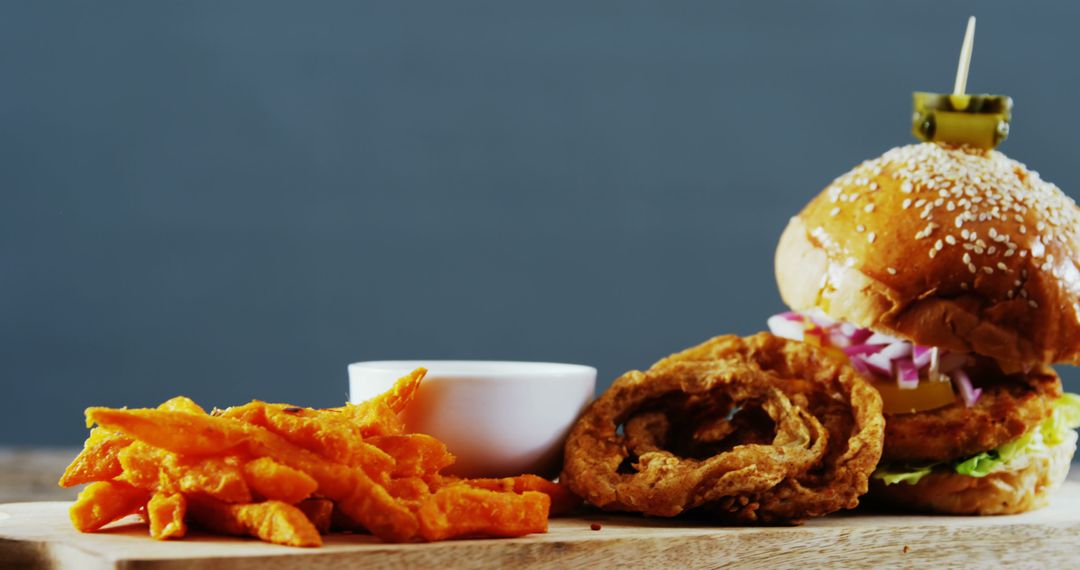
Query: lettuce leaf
point(979, 465)
point(906, 474)
point(1052, 431)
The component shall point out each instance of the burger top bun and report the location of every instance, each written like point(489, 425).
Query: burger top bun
point(954, 247)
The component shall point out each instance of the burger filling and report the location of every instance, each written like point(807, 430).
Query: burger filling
point(1054, 431)
point(914, 378)
point(910, 377)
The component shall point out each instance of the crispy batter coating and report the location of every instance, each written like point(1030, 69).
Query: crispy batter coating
point(846, 404)
point(664, 484)
point(756, 429)
point(1006, 409)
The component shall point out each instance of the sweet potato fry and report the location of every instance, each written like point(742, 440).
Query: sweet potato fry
point(103, 502)
point(375, 418)
point(179, 432)
point(155, 469)
point(166, 515)
point(372, 506)
point(98, 459)
point(182, 404)
point(378, 416)
point(326, 432)
point(302, 426)
point(562, 499)
point(411, 490)
point(404, 390)
point(272, 480)
point(185, 433)
point(460, 510)
point(272, 521)
point(319, 512)
point(414, 454)
point(312, 470)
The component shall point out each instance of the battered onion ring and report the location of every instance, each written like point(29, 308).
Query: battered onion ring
point(831, 391)
point(664, 484)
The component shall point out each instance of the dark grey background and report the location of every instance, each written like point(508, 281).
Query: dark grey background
point(235, 199)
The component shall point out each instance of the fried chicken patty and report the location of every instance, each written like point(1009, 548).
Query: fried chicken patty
point(1008, 407)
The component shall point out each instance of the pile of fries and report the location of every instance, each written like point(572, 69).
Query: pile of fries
point(287, 475)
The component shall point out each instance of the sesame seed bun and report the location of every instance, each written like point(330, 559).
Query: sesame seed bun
point(955, 247)
point(1025, 487)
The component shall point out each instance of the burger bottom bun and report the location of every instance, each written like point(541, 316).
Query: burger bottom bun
point(1026, 487)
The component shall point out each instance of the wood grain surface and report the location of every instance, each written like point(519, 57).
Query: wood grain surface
point(39, 535)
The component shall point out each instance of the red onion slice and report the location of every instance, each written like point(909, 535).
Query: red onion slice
point(879, 364)
point(896, 350)
point(969, 393)
point(920, 356)
point(786, 328)
point(907, 374)
point(862, 349)
point(880, 338)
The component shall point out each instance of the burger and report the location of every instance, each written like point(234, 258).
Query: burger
point(948, 276)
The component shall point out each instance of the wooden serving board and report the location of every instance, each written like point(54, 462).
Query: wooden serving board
point(38, 535)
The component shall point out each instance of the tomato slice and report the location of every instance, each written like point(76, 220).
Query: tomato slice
point(929, 395)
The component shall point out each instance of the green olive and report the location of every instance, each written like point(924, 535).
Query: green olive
point(976, 120)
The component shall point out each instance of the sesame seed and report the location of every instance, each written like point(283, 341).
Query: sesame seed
point(949, 239)
point(873, 186)
point(870, 237)
point(933, 252)
point(1033, 304)
point(860, 228)
point(967, 258)
point(834, 212)
point(1002, 266)
point(891, 270)
point(988, 270)
point(971, 267)
point(980, 187)
point(938, 245)
point(869, 208)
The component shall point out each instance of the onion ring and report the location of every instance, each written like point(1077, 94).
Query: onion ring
point(832, 392)
point(660, 482)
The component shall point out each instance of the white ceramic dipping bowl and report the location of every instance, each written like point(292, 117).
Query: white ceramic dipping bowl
point(499, 419)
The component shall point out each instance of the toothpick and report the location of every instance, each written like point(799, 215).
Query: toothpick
point(965, 58)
